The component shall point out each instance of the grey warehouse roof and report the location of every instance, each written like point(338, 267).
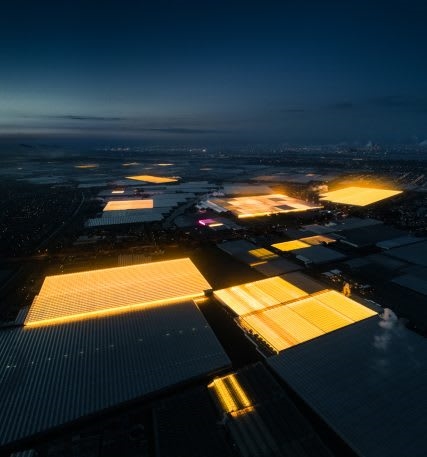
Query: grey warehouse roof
point(52, 375)
point(414, 253)
point(318, 254)
point(368, 382)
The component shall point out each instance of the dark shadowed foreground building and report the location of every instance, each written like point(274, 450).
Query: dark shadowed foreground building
point(368, 382)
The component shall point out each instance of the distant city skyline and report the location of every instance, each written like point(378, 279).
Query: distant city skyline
point(214, 72)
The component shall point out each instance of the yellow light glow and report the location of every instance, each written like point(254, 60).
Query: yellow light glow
point(345, 305)
point(290, 245)
point(263, 254)
point(201, 301)
point(164, 164)
point(323, 317)
point(109, 312)
point(152, 179)
point(258, 295)
point(257, 264)
point(230, 394)
point(305, 318)
point(262, 205)
point(317, 239)
point(92, 293)
point(118, 191)
point(121, 205)
point(88, 165)
point(242, 412)
point(358, 196)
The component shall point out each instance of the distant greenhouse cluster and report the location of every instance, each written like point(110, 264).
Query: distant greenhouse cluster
point(267, 284)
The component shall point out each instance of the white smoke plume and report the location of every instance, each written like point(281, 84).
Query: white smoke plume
point(390, 327)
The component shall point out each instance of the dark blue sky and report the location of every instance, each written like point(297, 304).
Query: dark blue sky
point(270, 71)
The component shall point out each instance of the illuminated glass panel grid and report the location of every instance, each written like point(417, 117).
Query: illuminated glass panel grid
point(258, 295)
point(358, 196)
point(262, 205)
point(286, 325)
point(323, 317)
point(291, 245)
point(230, 394)
point(344, 305)
point(152, 179)
point(120, 205)
point(91, 293)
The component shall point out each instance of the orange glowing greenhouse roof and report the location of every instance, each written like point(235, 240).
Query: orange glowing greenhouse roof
point(152, 179)
point(263, 254)
point(317, 239)
point(230, 394)
point(306, 318)
point(114, 290)
point(258, 295)
point(262, 205)
point(358, 196)
point(291, 245)
point(120, 205)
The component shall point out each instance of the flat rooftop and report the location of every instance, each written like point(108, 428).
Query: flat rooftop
point(358, 196)
point(303, 319)
point(114, 290)
point(318, 254)
point(52, 375)
point(121, 205)
point(414, 253)
point(261, 205)
point(260, 418)
point(276, 267)
point(247, 252)
point(368, 382)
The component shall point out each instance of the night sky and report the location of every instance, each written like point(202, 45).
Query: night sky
point(263, 71)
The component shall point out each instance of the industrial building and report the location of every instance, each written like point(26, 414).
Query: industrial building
point(260, 259)
point(260, 418)
point(276, 267)
point(283, 326)
point(259, 205)
point(155, 208)
point(311, 250)
point(415, 253)
point(95, 340)
point(367, 381)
